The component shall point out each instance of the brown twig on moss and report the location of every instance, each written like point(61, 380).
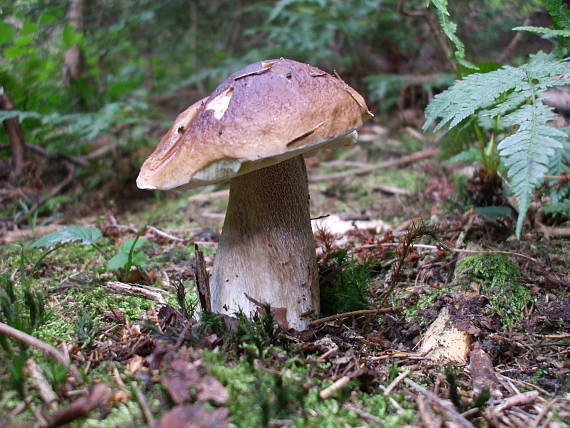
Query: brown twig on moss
point(354, 314)
point(416, 230)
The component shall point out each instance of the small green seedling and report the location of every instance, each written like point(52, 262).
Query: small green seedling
point(128, 255)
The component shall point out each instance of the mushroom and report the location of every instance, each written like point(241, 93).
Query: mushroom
point(253, 130)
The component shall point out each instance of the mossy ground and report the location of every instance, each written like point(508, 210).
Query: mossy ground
point(275, 377)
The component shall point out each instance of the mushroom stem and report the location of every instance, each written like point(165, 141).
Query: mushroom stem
point(266, 252)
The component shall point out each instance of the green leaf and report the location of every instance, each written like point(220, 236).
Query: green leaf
point(511, 95)
point(6, 33)
point(9, 114)
point(121, 259)
point(28, 28)
point(70, 36)
point(84, 235)
point(544, 30)
point(47, 18)
point(527, 153)
point(118, 261)
point(15, 51)
point(450, 29)
point(494, 211)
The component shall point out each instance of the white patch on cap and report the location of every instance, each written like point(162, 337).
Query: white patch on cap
point(220, 103)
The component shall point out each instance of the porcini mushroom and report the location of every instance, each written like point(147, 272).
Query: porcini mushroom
point(253, 130)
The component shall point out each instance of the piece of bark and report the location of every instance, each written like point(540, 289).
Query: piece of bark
point(482, 372)
point(444, 342)
point(202, 280)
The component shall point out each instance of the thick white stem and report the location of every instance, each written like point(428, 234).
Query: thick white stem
point(266, 252)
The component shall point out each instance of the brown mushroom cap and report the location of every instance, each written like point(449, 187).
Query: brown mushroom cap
point(265, 113)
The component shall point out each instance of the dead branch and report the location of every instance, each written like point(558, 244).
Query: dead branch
point(44, 388)
point(512, 44)
point(521, 399)
point(143, 404)
point(15, 136)
point(202, 280)
point(54, 190)
point(136, 290)
point(404, 160)
point(364, 415)
point(440, 403)
point(99, 396)
point(355, 314)
point(395, 382)
point(43, 152)
point(330, 390)
point(46, 348)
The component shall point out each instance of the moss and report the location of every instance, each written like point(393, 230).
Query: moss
point(258, 397)
point(349, 291)
point(497, 275)
point(424, 302)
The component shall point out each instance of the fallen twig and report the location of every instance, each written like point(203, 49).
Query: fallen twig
point(455, 250)
point(355, 313)
point(330, 390)
point(143, 404)
point(442, 404)
point(364, 415)
point(404, 160)
point(151, 293)
point(46, 348)
point(521, 399)
point(44, 388)
point(395, 382)
point(99, 396)
point(164, 234)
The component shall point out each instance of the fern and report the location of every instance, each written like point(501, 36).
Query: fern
point(511, 93)
point(528, 151)
point(544, 30)
point(450, 30)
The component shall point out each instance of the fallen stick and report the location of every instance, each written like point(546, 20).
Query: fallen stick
point(143, 404)
point(44, 388)
point(99, 396)
point(25, 338)
point(355, 313)
point(521, 399)
point(395, 382)
point(151, 293)
point(442, 404)
point(330, 390)
point(364, 415)
point(404, 160)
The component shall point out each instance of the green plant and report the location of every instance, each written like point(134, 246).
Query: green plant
point(128, 255)
point(497, 275)
point(349, 290)
point(510, 120)
point(85, 328)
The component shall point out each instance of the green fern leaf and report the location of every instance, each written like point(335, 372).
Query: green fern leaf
point(527, 153)
point(560, 13)
point(450, 30)
point(544, 30)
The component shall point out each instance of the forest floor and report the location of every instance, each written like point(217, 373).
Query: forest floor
point(474, 335)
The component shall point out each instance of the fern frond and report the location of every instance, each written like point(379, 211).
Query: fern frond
point(511, 93)
point(450, 30)
point(496, 92)
point(560, 13)
point(527, 152)
point(544, 30)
